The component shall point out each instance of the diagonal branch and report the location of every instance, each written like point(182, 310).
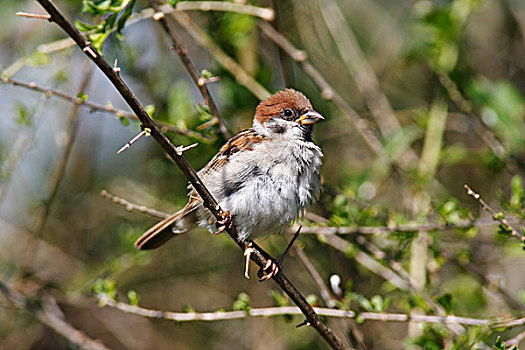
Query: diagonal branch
point(258, 256)
point(190, 67)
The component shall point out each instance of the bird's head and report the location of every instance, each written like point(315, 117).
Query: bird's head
point(287, 113)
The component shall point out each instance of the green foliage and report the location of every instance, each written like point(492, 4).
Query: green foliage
point(446, 300)
point(133, 297)
point(502, 108)
point(451, 211)
point(438, 32)
point(119, 10)
point(105, 287)
point(237, 27)
point(500, 345)
point(242, 302)
point(23, 115)
point(279, 298)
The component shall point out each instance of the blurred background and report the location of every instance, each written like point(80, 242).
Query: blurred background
point(420, 98)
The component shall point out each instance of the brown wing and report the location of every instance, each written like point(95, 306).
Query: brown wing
point(243, 141)
point(162, 231)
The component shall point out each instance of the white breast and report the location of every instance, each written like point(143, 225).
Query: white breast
point(267, 188)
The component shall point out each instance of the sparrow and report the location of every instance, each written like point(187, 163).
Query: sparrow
point(263, 177)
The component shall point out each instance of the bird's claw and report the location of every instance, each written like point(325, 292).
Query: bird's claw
point(225, 223)
point(270, 270)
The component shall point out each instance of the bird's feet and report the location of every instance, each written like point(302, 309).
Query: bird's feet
point(269, 270)
point(225, 223)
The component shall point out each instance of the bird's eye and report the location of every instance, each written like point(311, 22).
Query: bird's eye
point(287, 112)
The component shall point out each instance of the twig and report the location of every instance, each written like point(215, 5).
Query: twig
point(264, 13)
point(45, 313)
point(316, 276)
point(479, 127)
point(499, 217)
point(48, 92)
point(259, 256)
point(241, 75)
point(190, 67)
point(409, 227)
point(132, 206)
point(128, 144)
point(291, 310)
point(515, 341)
point(32, 15)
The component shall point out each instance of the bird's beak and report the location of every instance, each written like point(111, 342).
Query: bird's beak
point(310, 117)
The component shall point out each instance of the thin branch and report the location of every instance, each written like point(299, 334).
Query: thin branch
point(499, 217)
point(134, 207)
point(291, 310)
point(515, 341)
point(464, 105)
point(258, 256)
point(190, 67)
point(316, 276)
point(46, 313)
point(388, 229)
point(264, 13)
point(33, 15)
point(240, 74)
point(95, 106)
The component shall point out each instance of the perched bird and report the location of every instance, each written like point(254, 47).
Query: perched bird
point(264, 177)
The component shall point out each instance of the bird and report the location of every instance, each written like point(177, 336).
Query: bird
point(264, 177)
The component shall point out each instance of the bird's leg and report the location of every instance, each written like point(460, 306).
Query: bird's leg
point(272, 267)
point(225, 223)
point(247, 253)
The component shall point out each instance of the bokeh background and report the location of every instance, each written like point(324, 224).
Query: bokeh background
point(438, 87)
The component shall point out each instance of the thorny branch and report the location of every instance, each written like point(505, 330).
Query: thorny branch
point(499, 217)
point(258, 256)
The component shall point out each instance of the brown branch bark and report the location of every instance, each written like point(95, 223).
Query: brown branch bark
point(259, 256)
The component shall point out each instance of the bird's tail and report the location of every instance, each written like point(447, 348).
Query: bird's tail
point(164, 230)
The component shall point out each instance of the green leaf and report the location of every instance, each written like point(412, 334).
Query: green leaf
point(105, 287)
point(150, 109)
point(280, 299)
point(447, 301)
point(38, 59)
point(187, 308)
point(242, 302)
point(82, 96)
point(206, 74)
point(84, 27)
point(124, 17)
point(124, 121)
point(24, 116)
point(133, 298)
point(100, 7)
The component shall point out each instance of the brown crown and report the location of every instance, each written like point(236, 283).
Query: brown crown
point(274, 104)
